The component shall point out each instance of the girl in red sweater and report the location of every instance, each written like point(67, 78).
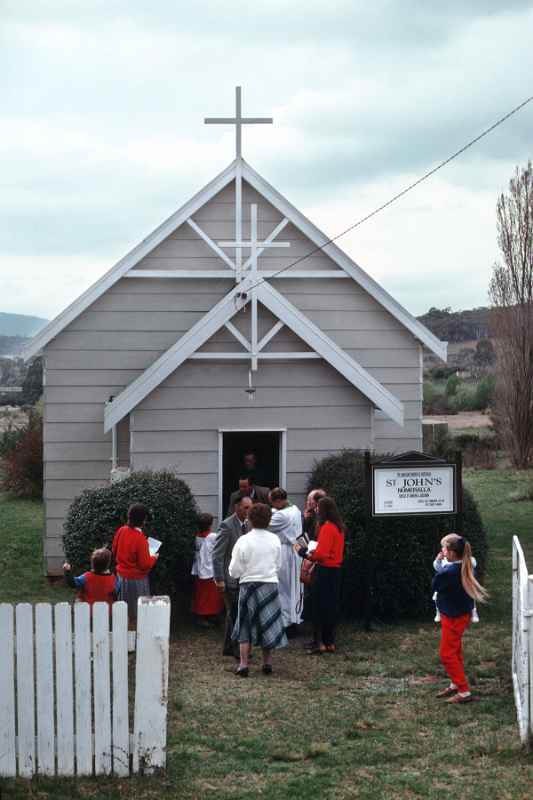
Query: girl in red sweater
point(133, 560)
point(325, 588)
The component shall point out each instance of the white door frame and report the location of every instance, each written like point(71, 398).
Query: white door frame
point(282, 457)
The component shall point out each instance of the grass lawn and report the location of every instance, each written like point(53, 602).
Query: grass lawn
point(361, 724)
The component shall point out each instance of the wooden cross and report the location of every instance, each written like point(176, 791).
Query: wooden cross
point(238, 120)
point(254, 245)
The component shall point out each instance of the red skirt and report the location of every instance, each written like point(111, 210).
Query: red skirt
point(207, 601)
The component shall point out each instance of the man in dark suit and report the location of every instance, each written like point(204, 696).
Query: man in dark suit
point(229, 530)
point(257, 494)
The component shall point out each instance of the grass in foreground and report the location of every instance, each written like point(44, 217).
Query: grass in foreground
point(361, 724)
point(22, 576)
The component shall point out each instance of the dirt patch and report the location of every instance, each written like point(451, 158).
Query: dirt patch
point(465, 419)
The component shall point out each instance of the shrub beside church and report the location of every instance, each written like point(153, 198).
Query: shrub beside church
point(390, 558)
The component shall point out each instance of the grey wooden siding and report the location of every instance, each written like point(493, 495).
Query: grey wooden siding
point(134, 322)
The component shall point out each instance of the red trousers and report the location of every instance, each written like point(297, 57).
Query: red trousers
point(451, 649)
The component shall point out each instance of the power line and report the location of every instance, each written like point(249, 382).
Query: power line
point(403, 191)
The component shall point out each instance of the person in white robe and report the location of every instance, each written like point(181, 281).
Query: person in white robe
point(286, 523)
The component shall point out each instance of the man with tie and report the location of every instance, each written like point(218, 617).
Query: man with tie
point(229, 530)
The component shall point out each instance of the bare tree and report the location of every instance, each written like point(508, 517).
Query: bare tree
point(511, 292)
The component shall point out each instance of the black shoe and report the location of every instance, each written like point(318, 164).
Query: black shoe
point(241, 672)
point(267, 669)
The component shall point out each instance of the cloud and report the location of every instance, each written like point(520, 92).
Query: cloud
point(103, 135)
point(49, 283)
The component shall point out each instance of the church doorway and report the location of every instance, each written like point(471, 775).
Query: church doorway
point(269, 450)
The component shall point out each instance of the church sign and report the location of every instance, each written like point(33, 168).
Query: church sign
point(413, 484)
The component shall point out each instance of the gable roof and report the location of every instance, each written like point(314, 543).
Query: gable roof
point(315, 235)
point(218, 316)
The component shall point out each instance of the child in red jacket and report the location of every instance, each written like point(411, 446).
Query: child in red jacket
point(133, 560)
point(98, 585)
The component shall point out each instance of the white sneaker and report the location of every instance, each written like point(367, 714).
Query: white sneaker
point(475, 616)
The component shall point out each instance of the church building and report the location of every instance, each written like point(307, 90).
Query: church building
point(235, 326)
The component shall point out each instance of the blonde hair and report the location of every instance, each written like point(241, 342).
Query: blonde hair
point(457, 544)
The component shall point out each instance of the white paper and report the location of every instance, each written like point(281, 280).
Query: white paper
point(311, 546)
point(153, 545)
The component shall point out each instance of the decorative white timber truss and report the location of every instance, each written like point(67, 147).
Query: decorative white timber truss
point(250, 287)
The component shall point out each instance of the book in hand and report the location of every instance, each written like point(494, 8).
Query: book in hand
point(153, 545)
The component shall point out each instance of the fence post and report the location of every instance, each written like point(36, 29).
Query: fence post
point(530, 659)
point(514, 583)
point(83, 692)
point(101, 689)
point(64, 689)
point(44, 682)
point(8, 757)
point(522, 632)
point(25, 690)
point(120, 722)
point(151, 684)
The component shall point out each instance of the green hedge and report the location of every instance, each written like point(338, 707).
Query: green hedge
point(96, 514)
point(391, 559)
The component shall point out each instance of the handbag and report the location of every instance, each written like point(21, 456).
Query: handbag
point(307, 571)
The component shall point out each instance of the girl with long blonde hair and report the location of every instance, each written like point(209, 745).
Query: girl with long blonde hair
point(441, 562)
point(457, 590)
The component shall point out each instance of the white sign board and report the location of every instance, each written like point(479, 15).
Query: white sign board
point(413, 490)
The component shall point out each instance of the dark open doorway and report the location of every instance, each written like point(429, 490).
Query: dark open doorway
point(267, 447)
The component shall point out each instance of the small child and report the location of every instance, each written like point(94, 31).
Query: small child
point(207, 601)
point(440, 563)
point(98, 585)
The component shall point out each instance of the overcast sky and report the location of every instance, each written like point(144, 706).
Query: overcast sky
point(102, 134)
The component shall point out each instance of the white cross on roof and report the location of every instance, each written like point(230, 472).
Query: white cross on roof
point(238, 120)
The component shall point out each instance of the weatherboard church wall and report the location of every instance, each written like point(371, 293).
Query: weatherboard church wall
point(135, 321)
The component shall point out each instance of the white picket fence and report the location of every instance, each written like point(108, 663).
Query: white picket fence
point(522, 659)
point(64, 706)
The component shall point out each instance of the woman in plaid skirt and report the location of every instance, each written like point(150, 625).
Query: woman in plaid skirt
point(256, 561)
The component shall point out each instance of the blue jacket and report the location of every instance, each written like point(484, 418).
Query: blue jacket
point(452, 600)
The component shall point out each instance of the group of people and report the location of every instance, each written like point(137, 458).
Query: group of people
point(265, 564)
point(252, 568)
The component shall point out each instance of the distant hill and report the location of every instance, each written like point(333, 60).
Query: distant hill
point(20, 324)
point(457, 326)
